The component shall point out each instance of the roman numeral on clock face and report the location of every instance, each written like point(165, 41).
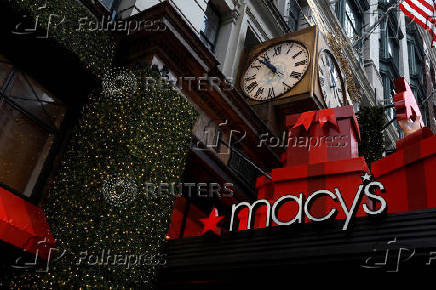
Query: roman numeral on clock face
point(247, 79)
point(277, 50)
point(265, 56)
point(290, 47)
point(296, 75)
point(297, 54)
point(271, 93)
point(303, 62)
point(259, 92)
point(251, 87)
point(286, 87)
point(256, 67)
point(321, 81)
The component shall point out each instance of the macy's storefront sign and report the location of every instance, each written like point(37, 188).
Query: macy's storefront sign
point(367, 189)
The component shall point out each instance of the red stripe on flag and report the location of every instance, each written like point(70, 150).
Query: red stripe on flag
point(418, 21)
point(423, 2)
point(418, 10)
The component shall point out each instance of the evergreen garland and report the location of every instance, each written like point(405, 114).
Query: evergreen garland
point(371, 123)
point(98, 201)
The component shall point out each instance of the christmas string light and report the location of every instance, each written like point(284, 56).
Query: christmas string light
point(144, 138)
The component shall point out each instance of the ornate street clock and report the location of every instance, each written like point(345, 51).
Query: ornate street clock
point(291, 74)
point(330, 80)
point(275, 71)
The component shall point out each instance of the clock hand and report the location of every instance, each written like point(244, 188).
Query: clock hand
point(332, 78)
point(268, 65)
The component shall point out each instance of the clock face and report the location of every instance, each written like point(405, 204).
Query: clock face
point(275, 71)
point(330, 80)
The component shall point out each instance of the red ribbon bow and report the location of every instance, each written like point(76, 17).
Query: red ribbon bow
point(324, 116)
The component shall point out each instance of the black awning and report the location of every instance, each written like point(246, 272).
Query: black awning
point(268, 254)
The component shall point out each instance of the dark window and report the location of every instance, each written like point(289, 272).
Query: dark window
point(109, 4)
point(211, 26)
point(416, 68)
point(30, 118)
point(352, 23)
point(392, 48)
point(294, 14)
point(250, 40)
point(412, 60)
point(351, 18)
point(388, 88)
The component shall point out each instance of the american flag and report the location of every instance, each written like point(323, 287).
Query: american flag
point(423, 13)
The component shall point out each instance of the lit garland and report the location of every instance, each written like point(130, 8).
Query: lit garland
point(130, 133)
point(143, 138)
point(95, 49)
point(371, 123)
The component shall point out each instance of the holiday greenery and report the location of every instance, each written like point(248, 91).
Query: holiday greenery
point(126, 143)
point(108, 229)
point(371, 123)
point(61, 20)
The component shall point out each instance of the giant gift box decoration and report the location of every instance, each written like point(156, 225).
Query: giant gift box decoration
point(325, 166)
point(24, 225)
point(321, 136)
point(409, 174)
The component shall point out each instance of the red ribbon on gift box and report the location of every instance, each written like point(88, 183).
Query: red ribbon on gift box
point(322, 117)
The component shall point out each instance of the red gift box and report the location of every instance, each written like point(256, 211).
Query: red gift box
point(408, 175)
point(321, 136)
point(344, 175)
point(24, 225)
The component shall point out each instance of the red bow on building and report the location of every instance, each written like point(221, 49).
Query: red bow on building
point(405, 103)
point(324, 116)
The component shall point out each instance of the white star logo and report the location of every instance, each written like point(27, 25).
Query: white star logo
point(366, 177)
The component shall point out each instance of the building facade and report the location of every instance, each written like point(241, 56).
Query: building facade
point(206, 41)
point(199, 46)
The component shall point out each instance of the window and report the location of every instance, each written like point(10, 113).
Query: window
point(411, 52)
point(388, 87)
point(211, 26)
point(350, 14)
point(109, 4)
point(30, 118)
point(250, 40)
point(351, 22)
point(392, 48)
point(416, 67)
point(294, 15)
